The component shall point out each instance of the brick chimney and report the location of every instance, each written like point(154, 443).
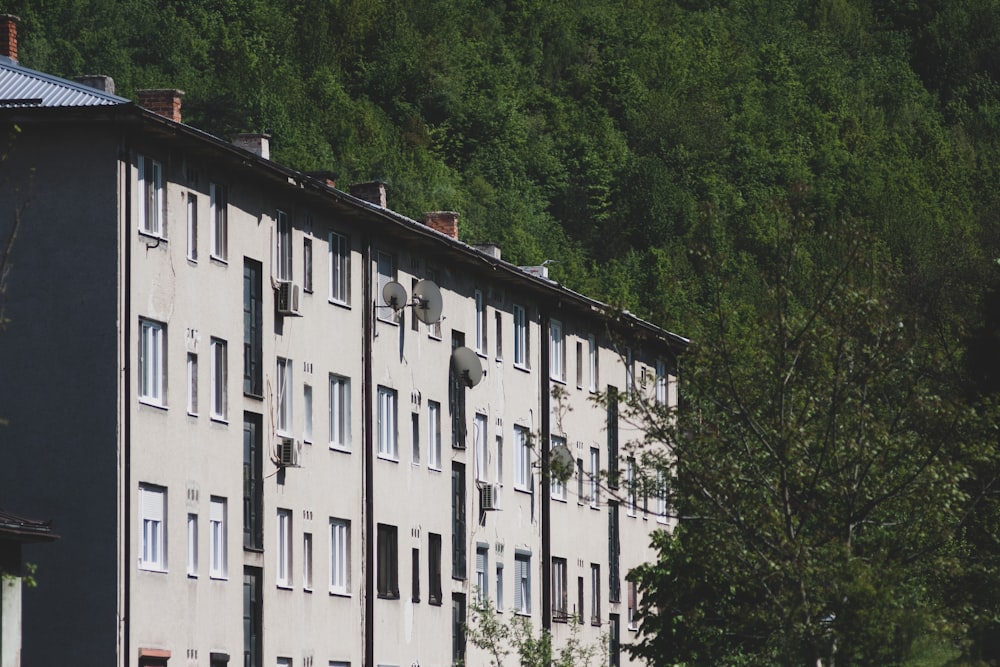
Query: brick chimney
point(8, 36)
point(256, 142)
point(165, 102)
point(373, 192)
point(328, 177)
point(445, 222)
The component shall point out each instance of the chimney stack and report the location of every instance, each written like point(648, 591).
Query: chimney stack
point(445, 222)
point(256, 142)
point(99, 81)
point(373, 192)
point(165, 102)
point(8, 36)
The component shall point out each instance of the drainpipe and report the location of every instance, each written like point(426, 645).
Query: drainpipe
point(546, 490)
point(368, 539)
point(125, 404)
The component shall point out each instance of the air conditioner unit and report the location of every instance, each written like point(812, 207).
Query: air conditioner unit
point(489, 497)
point(288, 298)
point(289, 453)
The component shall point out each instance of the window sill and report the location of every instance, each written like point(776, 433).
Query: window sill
point(340, 594)
point(558, 380)
point(192, 414)
point(250, 394)
point(307, 590)
point(285, 587)
point(382, 596)
point(152, 235)
point(434, 603)
point(387, 457)
point(192, 575)
point(253, 549)
point(522, 489)
point(219, 419)
point(340, 304)
point(152, 404)
point(518, 612)
point(340, 448)
point(150, 568)
point(216, 259)
point(193, 261)
point(522, 367)
point(558, 499)
point(434, 468)
point(219, 577)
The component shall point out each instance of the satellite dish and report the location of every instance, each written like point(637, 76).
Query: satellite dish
point(467, 366)
point(561, 463)
point(394, 295)
point(427, 302)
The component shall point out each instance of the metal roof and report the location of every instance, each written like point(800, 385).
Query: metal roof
point(23, 87)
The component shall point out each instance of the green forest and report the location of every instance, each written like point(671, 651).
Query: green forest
point(807, 189)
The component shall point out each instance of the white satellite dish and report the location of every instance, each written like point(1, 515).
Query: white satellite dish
point(467, 366)
point(394, 295)
point(561, 463)
point(427, 302)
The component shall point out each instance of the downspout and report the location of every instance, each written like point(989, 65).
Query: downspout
point(125, 405)
point(546, 490)
point(367, 541)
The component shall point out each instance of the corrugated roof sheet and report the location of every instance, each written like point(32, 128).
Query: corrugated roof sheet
point(23, 87)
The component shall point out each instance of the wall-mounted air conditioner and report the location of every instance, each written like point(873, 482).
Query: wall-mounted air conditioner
point(289, 453)
point(288, 298)
point(489, 497)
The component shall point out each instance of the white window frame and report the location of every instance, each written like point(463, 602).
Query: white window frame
point(433, 435)
point(340, 412)
point(307, 561)
point(285, 384)
point(192, 384)
point(283, 554)
point(557, 351)
point(630, 486)
point(152, 362)
point(482, 574)
point(593, 364)
point(522, 583)
point(499, 588)
point(498, 470)
point(560, 589)
point(388, 424)
point(661, 496)
point(595, 477)
point(340, 269)
point(558, 487)
point(386, 271)
point(283, 247)
point(192, 544)
point(152, 512)
point(340, 556)
point(522, 336)
point(220, 379)
point(522, 459)
point(307, 406)
point(480, 322)
point(219, 215)
point(218, 539)
point(151, 200)
point(192, 227)
point(481, 452)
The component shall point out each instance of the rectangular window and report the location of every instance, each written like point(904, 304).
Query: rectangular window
point(385, 265)
point(633, 616)
point(220, 377)
point(579, 482)
point(560, 597)
point(579, 365)
point(340, 412)
point(522, 459)
point(614, 554)
point(253, 617)
point(192, 227)
point(218, 547)
point(434, 435)
point(192, 545)
point(522, 582)
point(151, 201)
point(595, 594)
point(253, 323)
point(482, 574)
point(307, 401)
point(284, 550)
point(415, 438)
point(285, 396)
point(499, 587)
point(152, 528)
point(307, 264)
point(521, 337)
point(629, 371)
point(498, 474)
point(283, 250)
point(456, 397)
point(592, 362)
point(630, 486)
point(415, 574)
point(661, 496)
point(614, 641)
point(388, 431)
point(595, 476)
point(253, 485)
point(579, 599)
point(611, 426)
point(152, 362)
point(480, 322)
point(220, 221)
point(557, 481)
point(340, 550)
point(557, 351)
point(499, 334)
point(192, 383)
point(457, 520)
point(340, 268)
point(458, 628)
point(434, 329)
point(482, 455)
point(434, 568)
point(388, 562)
point(307, 561)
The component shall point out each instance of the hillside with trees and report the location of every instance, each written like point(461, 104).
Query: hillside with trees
point(806, 189)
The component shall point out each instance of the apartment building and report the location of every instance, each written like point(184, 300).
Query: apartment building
point(251, 456)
